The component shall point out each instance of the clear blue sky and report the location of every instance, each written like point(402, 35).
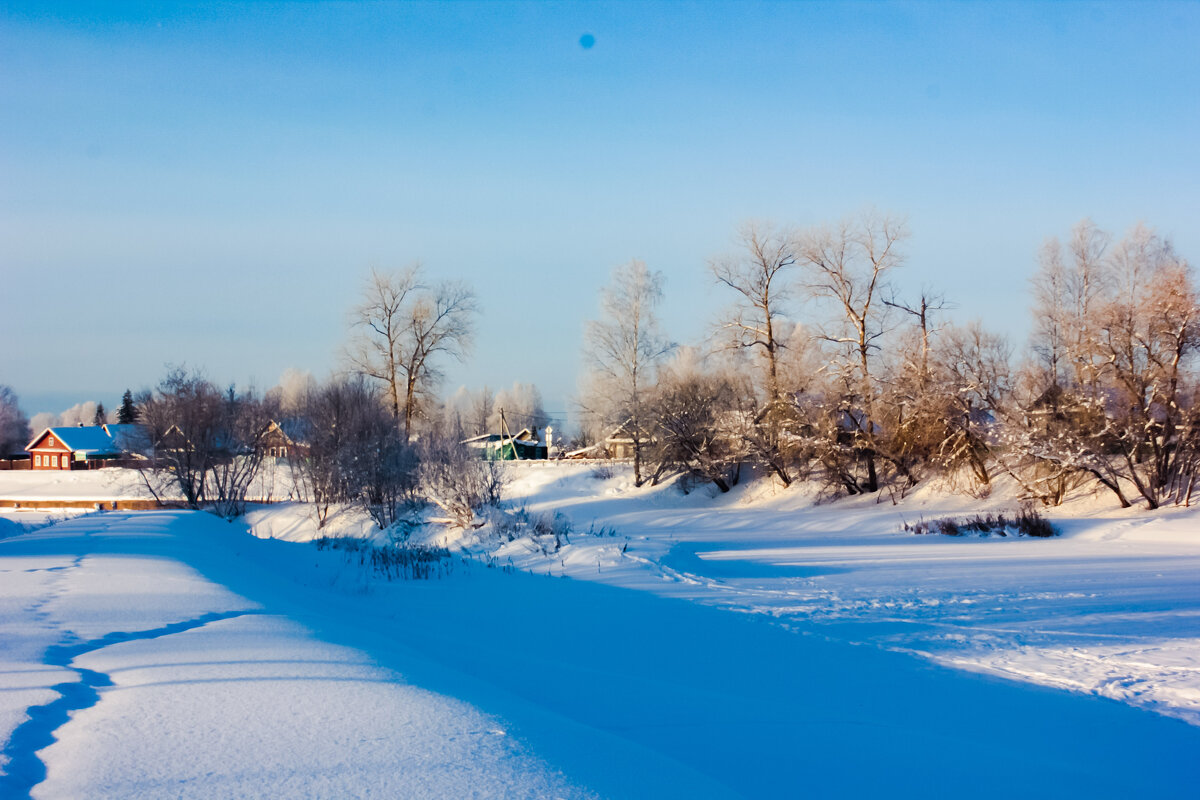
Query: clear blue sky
point(210, 184)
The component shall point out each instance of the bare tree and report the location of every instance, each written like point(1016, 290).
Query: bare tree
point(922, 311)
point(623, 348)
point(206, 441)
point(848, 267)
point(242, 422)
point(1149, 336)
point(915, 388)
point(182, 417)
point(757, 325)
point(696, 417)
point(974, 378)
point(403, 328)
point(759, 273)
point(353, 452)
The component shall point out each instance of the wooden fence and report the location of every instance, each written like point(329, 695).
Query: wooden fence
point(94, 505)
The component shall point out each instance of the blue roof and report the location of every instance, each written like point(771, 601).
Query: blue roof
point(89, 439)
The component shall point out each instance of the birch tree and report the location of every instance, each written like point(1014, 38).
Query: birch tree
point(623, 347)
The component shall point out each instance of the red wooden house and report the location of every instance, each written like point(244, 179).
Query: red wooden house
point(72, 448)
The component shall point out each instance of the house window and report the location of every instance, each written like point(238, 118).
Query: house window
point(50, 441)
point(54, 461)
point(37, 461)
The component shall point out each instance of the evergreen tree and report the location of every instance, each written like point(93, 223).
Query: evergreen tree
point(101, 417)
point(128, 413)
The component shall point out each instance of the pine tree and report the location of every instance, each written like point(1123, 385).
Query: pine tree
point(101, 417)
point(128, 413)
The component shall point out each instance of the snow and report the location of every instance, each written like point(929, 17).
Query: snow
point(752, 644)
point(97, 484)
point(273, 483)
point(1112, 607)
point(175, 685)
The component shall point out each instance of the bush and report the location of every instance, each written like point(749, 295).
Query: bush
point(548, 531)
point(397, 561)
point(458, 481)
point(1027, 522)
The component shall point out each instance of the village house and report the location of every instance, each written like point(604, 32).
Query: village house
point(283, 441)
point(527, 445)
point(84, 447)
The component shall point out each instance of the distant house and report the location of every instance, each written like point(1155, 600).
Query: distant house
point(527, 445)
point(172, 440)
point(82, 447)
point(618, 444)
point(283, 440)
point(132, 440)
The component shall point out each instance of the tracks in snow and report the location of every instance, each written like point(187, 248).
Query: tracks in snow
point(25, 768)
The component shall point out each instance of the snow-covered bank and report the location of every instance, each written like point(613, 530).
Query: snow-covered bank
point(1111, 607)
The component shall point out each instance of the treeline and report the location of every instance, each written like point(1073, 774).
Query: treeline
point(822, 370)
point(825, 370)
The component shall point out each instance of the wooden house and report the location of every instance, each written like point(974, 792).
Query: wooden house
point(283, 440)
point(82, 447)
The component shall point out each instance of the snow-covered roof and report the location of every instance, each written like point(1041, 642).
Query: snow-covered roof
point(129, 438)
point(485, 437)
point(86, 439)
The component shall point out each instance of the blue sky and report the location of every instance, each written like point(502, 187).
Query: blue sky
point(210, 184)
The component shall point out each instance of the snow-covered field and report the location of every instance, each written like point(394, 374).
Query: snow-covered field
point(168, 654)
point(98, 484)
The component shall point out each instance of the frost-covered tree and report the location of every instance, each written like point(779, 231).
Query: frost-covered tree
point(623, 348)
point(522, 407)
point(1117, 402)
point(848, 266)
point(353, 451)
point(79, 414)
point(291, 391)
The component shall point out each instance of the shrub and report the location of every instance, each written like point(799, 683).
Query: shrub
point(1027, 522)
point(397, 561)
